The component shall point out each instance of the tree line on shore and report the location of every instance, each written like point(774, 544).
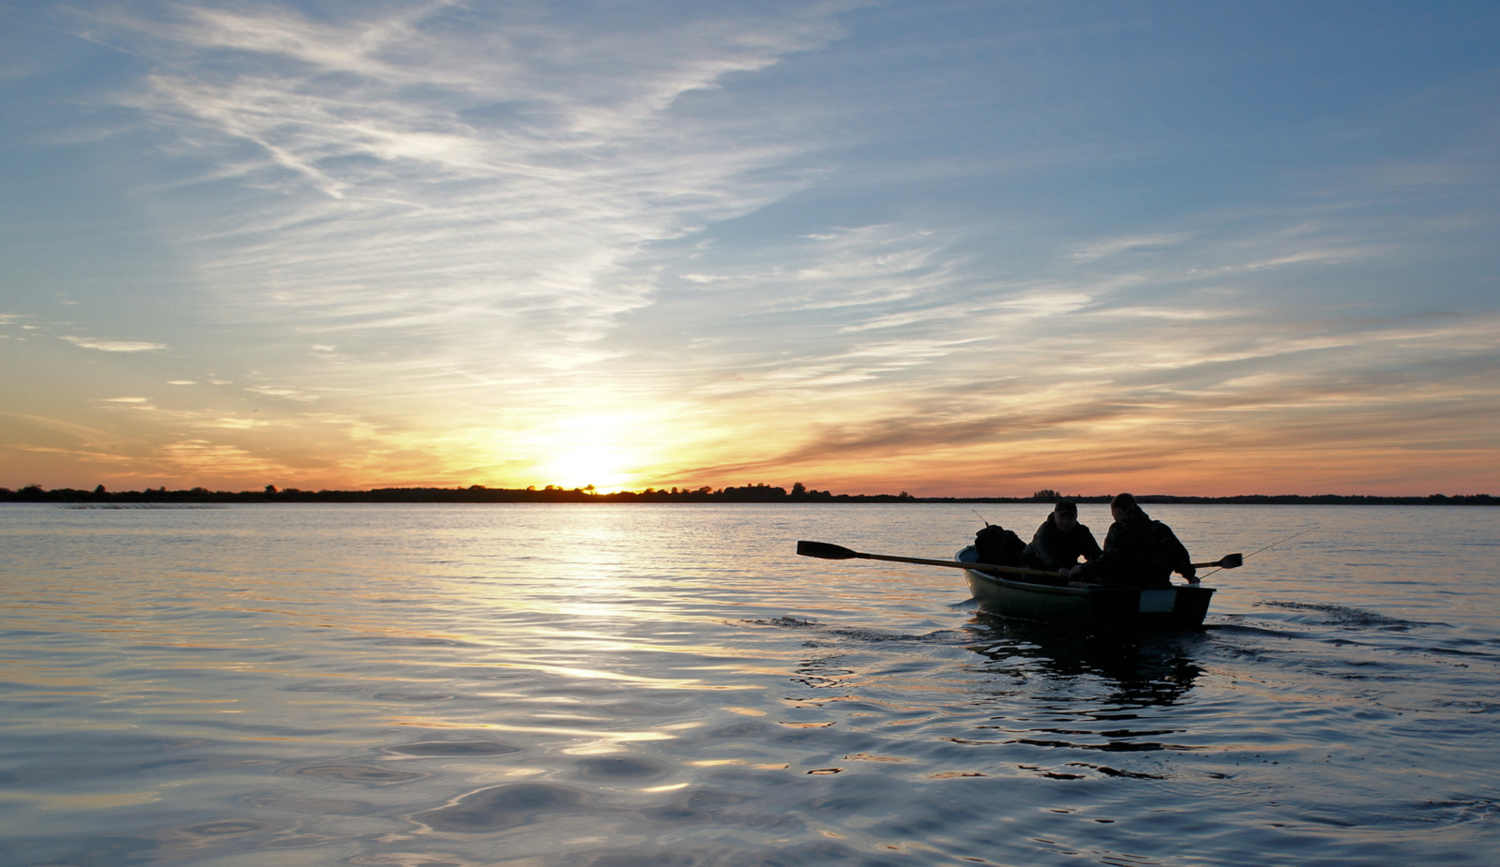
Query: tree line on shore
point(757, 493)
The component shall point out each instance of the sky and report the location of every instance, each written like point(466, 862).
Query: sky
point(948, 248)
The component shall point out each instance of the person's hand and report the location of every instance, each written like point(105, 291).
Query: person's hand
point(1191, 575)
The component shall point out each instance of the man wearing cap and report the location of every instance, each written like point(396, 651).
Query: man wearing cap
point(1138, 552)
point(1060, 541)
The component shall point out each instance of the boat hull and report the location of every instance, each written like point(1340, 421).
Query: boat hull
point(1092, 609)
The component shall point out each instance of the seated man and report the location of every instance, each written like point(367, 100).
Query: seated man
point(1060, 541)
point(1138, 552)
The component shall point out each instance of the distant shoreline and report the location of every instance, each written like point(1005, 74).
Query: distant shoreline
point(747, 494)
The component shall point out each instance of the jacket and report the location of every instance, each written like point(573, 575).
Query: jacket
point(1139, 552)
point(1054, 550)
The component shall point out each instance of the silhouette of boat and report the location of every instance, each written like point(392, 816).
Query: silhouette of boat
point(1090, 609)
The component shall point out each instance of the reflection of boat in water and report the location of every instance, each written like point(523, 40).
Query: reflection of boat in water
point(1091, 609)
point(1156, 670)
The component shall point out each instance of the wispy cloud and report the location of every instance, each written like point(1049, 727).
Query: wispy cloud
point(447, 170)
point(287, 393)
point(113, 345)
point(1096, 250)
point(425, 239)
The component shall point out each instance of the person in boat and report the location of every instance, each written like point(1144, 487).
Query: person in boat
point(1138, 552)
point(1060, 541)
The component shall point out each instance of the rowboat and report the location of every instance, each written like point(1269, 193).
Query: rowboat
point(1091, 609)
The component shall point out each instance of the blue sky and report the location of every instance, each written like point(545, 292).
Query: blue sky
point(949, 248)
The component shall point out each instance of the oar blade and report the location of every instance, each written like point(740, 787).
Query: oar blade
point(825, 551)
point(1232, 561)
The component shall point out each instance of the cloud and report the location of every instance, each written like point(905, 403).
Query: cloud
point(140, 404)
point(1093, 251)
point(113, 345)
point(440, 160)
point(287, 393)
point(203, 459)
point(450, 227)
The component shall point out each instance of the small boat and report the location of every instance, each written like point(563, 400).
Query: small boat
point(1091, 609)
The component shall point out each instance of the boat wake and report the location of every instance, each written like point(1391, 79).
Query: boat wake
point(1355, 618)
point(940, 636)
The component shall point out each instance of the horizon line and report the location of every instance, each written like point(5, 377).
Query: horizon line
point(759, 492)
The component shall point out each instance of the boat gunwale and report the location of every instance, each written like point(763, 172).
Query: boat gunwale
point(1030, 587)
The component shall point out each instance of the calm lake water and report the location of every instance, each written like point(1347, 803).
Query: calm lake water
point(671, 685)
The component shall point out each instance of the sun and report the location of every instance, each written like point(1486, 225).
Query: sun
point(581, 466)
point(603, 450)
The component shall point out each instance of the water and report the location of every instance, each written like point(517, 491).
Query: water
point(669, 684)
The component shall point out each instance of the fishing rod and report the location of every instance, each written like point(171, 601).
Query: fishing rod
point(1272, 545)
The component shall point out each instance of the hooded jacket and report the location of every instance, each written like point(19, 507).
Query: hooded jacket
point(1139, 552)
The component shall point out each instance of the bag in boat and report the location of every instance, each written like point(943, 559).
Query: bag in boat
point(998, 546)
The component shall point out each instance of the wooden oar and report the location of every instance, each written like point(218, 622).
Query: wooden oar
point(826, 551)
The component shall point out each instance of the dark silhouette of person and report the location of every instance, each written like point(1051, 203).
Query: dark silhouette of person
point(1138, 552)
point(1060, 541)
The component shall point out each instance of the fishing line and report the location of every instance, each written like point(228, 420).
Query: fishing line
point(1272, 545)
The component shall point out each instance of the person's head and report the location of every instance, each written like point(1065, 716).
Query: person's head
point(1065, 515)
point(1122, 505)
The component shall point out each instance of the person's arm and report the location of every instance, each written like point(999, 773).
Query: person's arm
point(1090, 546)
point(1033, 556)
point(1184, 560)
point(1043, 551)
point(1103, 560)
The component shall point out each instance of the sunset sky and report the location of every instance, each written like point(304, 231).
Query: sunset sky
point(966, 248)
